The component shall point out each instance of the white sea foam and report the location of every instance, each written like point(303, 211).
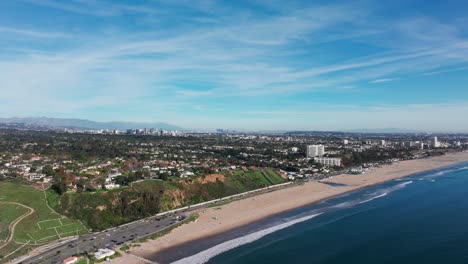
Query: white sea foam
point(384, 192)
point(206, 255)
point(401, 185)
point(373, 198)
point(441, 173)
point(344, 204)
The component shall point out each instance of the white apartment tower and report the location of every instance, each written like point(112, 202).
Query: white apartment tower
point(315, 151)
point(435, 143)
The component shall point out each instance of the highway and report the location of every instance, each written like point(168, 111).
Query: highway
point(107, 239)
point(120, 235)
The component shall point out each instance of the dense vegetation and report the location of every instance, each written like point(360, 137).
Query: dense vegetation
point(104, 209)
point(373, 155)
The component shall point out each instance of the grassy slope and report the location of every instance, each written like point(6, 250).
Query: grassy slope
point(8, 214)
point(123, 205)
point(103, 210)
point(35, 199)
point(31, 229)
point(251, 180)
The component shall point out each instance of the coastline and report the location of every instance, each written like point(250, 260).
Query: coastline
point(219, 220)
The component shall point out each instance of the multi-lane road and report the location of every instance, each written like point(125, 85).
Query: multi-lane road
point(107, 239)
point(117, 236)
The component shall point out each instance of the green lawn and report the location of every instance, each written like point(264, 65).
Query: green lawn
point(38, 228)
point(71, 229)
point(49, 224)
point(8, 214)
point(82, 261)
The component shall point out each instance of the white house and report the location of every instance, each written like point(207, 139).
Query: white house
point(103, 253)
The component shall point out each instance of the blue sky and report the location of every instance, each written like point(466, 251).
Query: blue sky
point(254, 65)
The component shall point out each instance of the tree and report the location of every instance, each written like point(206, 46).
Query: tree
point(47, 170)
point(59, 186)
point(164, 176)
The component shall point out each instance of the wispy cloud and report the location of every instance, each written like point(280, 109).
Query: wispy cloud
point(200, 53)
point(446, 70)
point(33, 33)
point(384, 80)
point(93, 7)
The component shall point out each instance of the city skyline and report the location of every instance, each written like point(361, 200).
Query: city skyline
point(246, 65)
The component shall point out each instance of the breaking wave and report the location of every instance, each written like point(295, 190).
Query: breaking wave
point(384, 192)
point(209, 253)
point(206, 255)
point(373, 198)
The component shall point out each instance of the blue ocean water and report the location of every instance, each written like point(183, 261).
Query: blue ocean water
point(418, 219)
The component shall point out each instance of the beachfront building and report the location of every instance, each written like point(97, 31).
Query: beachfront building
point(328, 161)
point(103, 253)
point(435, 143)
point(70, 260)
point(315, 151)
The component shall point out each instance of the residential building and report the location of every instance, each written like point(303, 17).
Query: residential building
point(435, 143)
point(315, 151)
point(328, 161)
point(111, 186)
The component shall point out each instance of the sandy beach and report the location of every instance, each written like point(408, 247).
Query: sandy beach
point(214, 221)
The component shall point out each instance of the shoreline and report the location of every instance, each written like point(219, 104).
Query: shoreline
point(216, 221)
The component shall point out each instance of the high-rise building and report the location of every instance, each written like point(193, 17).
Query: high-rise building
point(315, 151)
point(345, 142)
point(435, 143)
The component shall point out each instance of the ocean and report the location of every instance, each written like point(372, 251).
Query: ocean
point(418, 219)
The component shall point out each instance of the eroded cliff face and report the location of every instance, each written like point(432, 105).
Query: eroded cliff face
point(104, 209)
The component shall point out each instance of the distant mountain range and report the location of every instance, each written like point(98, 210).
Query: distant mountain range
point(86, 124)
